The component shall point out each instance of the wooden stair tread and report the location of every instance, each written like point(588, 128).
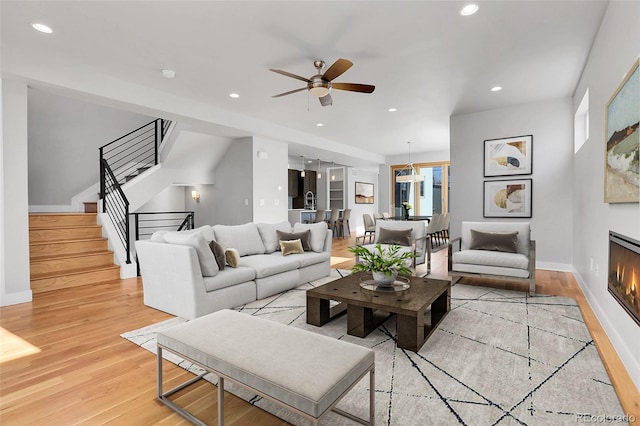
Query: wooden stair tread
point(70, 255)
point(56, 228)
point(39, 243)
point(76, 271)
point(61, 214)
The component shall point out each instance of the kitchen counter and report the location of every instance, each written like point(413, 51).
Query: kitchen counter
point(301, 215)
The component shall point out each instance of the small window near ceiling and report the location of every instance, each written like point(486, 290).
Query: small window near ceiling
point(581, 123)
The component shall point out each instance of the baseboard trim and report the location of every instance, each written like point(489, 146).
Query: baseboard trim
point(552, 266)
point(7, 299)
point(626, 354)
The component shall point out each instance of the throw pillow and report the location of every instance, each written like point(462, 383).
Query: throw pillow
point(304, 237)
point(232, 256)
point(244, 238)
point(401, 237)
point(208, 265)
point(218, 253)
point(494, 241)
point(268, 234)
point(318, 234)
point(291, 247)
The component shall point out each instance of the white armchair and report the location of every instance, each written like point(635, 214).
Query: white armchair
point(497, 250)
point(418, 241)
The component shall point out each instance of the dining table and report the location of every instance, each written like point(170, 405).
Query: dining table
point(427, 218)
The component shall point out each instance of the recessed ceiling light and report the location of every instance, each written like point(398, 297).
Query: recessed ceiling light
point(168, 73)
point(234, 95)
point(496, 88)
point(469, 9)
point(392, 110)
point(319, 125)
point(42, 28)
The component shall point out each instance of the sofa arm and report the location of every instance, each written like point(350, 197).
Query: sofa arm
point(171, 277)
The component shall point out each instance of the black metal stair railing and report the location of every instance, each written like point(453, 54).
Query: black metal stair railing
point(116, 206)
point(124, 159)
point(146, 223)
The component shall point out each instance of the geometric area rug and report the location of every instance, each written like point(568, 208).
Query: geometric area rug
point(498, 358)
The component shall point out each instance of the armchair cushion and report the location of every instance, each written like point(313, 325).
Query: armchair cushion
point(495, 241)
point(491, 258)
point(401, 237)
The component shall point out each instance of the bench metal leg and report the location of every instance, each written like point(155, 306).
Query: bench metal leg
point(220, 400)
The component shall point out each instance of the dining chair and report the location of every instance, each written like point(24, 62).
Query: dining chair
point(344, 221)
point(333, 222)
point(369, 227)
point(321, 216)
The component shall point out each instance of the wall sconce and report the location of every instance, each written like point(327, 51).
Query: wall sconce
point(196, 196)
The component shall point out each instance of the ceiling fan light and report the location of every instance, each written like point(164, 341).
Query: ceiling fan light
point(319, 91)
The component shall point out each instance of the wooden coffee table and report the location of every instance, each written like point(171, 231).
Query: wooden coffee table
point(367, 309)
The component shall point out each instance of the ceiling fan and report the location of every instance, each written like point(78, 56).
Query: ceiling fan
point(320, 85)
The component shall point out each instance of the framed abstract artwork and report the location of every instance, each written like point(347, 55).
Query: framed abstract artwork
point(507, 198)
point(364, 193)
point(508, 156)
point(622, 141)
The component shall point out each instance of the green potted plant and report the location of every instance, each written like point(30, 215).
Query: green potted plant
point(384, 264)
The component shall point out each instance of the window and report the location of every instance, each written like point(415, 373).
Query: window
point(428, 196)
point(581, 123)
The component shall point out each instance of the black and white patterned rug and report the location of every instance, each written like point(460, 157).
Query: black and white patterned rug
point(498, 358)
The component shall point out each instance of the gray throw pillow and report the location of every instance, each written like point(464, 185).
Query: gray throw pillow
point(494, 241)
point(218, 253)
point(304, 237)
point(401, 237)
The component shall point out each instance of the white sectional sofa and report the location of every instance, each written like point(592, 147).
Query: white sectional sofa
point(172, 264)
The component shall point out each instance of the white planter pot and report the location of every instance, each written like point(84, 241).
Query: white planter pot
point(384, 280)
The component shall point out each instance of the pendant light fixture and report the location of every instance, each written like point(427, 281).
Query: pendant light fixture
point(412, 175)
point(302, 172)
point(319, 172)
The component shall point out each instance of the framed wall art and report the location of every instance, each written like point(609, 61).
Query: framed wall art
point(364, 193)
point(508, 156)
point(622, 141)
point(507, 198)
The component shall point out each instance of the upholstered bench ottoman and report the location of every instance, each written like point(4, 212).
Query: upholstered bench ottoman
point(305, 372)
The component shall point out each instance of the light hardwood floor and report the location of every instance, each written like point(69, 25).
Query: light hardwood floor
point(63, 361)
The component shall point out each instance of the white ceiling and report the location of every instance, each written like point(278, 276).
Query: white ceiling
point(424, 58)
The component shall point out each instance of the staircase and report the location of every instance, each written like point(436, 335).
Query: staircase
point(67, 250)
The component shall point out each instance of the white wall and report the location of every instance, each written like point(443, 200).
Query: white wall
point(356, 223)
point(270, 180)
point(615, 49)
point(551, 124)
point(64, 137)
point(15, 286)
point(232, 192)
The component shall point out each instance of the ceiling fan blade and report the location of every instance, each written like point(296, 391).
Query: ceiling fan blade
point(336, 70)
point(354, 87)
point(288, 74)
point(326, 100)
point(289, 92)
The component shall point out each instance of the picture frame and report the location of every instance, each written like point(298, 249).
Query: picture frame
point(508, 156)
point(364, 193)
point(622, 141)
point(508, 198)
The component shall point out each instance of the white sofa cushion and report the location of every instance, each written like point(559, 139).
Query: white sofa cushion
point(244, 238)
point(311, 257)
point(206, 231)
point(229, 277)
point(318, 234)
point(492, 258)
point(268, 233)
point(270, 264)
point(207, 261)
point(490, 270)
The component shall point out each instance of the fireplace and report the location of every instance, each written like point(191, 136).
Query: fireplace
point(624, 273)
